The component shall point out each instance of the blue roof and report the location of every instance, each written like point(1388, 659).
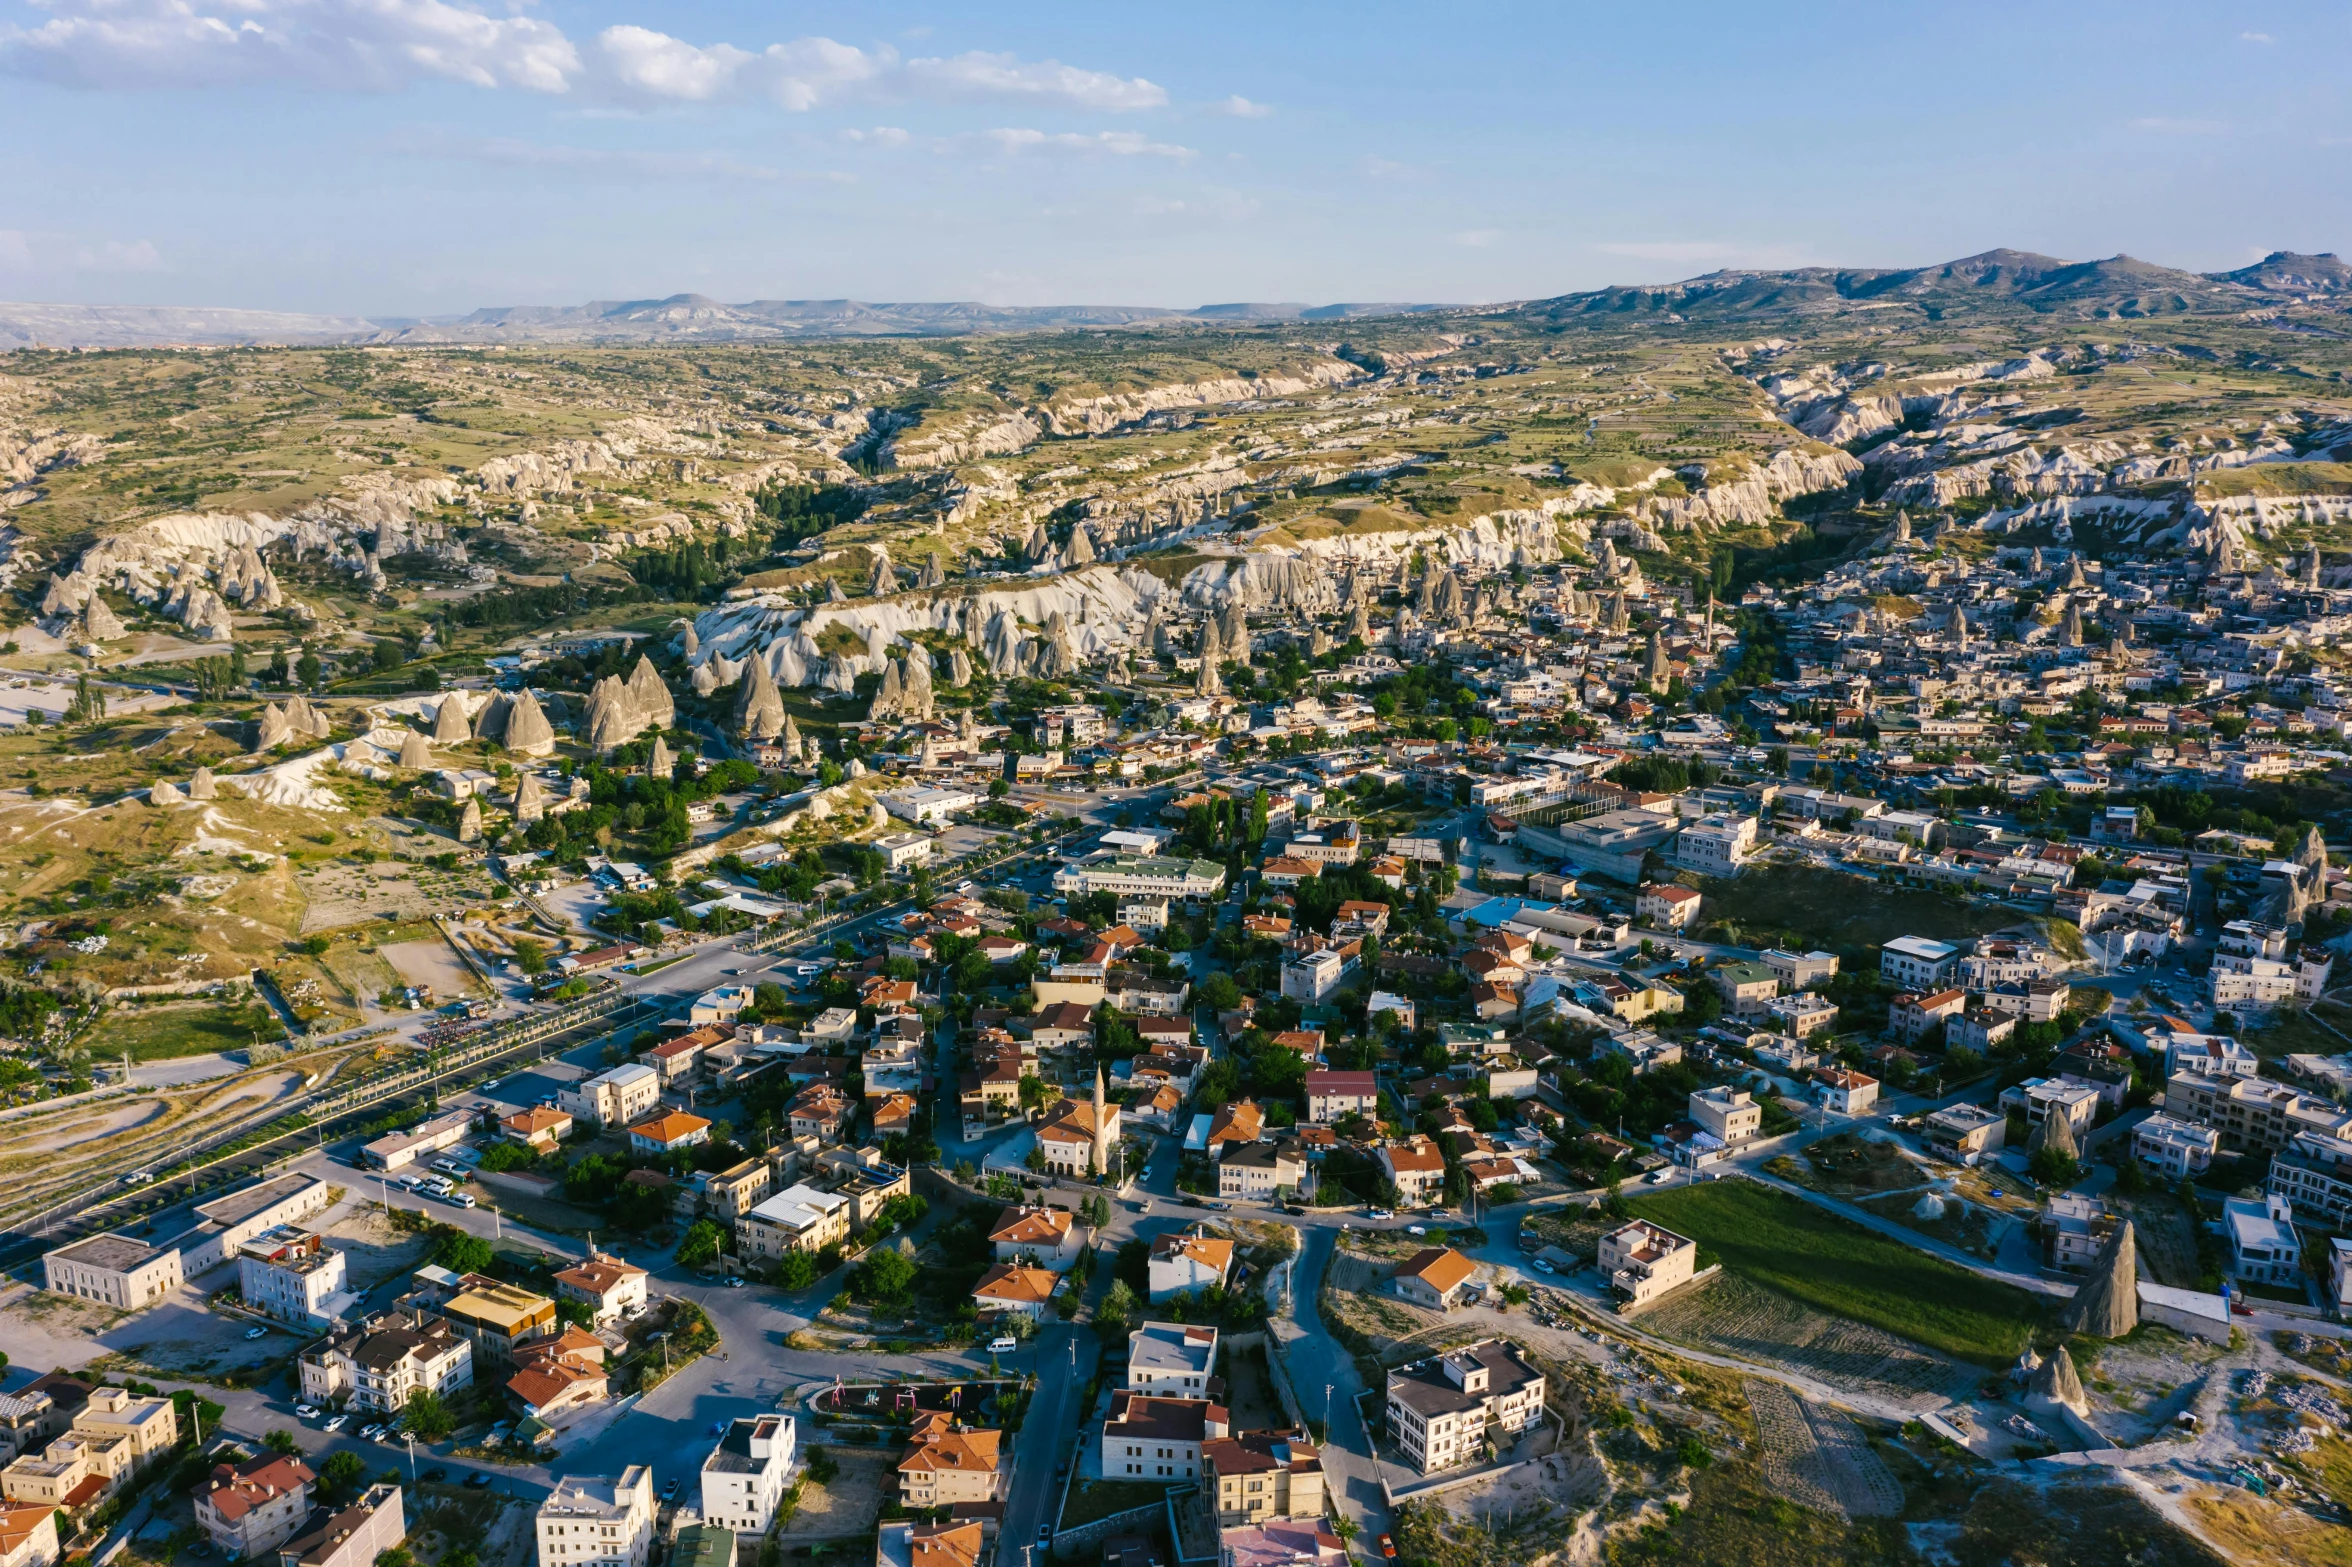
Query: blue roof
point(1496, 912)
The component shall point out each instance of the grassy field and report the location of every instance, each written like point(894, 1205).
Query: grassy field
point(1832, 910)
point(185, 1028)
point(1836, 1266)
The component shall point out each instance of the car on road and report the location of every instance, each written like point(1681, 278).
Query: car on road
point(1387, 1546)
point(1416, 1229)
point(1045, 1534)
point(335, 1422)
point(1382, 1213)
point(437, 1472)
point(1542, 1266)
point(254, 1333)
point(306, 1411)
point(1003, 1345)
point(371, 1433)
point(670, 1489)
point(734, 1284)
point(477, 1480)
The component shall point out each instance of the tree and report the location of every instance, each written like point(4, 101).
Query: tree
point(395, 1556)
point(282, 1441)
point(1220, 993)
point(530, 956)
point(797, 1271)
point(1118, 1308)
point(700, 1246)
point(1095, 1210)
point(886, 1276)
point(823, 1467)
point(425, 1416)
point(317, 946)
point(341, 1476)
point(459, 1252)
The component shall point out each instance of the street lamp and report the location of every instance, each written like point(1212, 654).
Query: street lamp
point(410, 1438)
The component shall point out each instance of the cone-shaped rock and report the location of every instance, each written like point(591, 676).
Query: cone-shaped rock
point(530, 799)
point(164, 792)
point(469, 825)
point(652, 698)
point(2058, 1381)
point(99, 623)
point(449, 722)
point(306, 720)
point(688, 643)
point(1081, 546)
point(658, 762)
point(917, 683)
point(959, 668)
point(884, 580)
point(833, 593)
point(934, 574)
point(790, 740)
point(2056, 1132)
point(1360, 625)
point(1209, 682)
point(415, 751)
point(527, 728)
point(201, 787)
point(490, 722)
point(759, 711)
point(888, 695)
point(2108, 1304)
point(274, 730)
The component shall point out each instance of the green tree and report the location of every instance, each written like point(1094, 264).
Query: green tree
point(886, 1276)
point(459, 1252)
point(426, 1416)
point(530, 956)
point(341, 1476)
point(282, 1441)
point(318, 946)
point(700, 1246)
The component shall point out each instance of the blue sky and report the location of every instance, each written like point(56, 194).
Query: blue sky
point(430, 156)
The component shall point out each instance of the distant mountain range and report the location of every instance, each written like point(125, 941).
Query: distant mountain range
point(2009, 280)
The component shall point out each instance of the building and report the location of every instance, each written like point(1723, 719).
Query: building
point(1440, 1409)
point(2038, 1098)
point(2264, 1248)
point(378, 1365)
point(558, 1373)
point(2213, 1055)
point(294, 1276)
point(743, 1476)
point(1135, 874)
point(114, 1270)
point(1665, 906)
point(621, 1097)
point(1912, 1017)
point(1148, 1437)
point(1964, 1133)
point(539, 1128)
point(1415, 1167)
point(1182, 1263)
point(928, 1545)
point(1256, 1476)
point(1917, 964)
point(925, 806)
point(1009, 1289)
point(1716, 845)
point(499, 1317)
point(2252, 1115)
point(798, 1218)
point(670, 1133)
point(1261, 1171)
point(1982, 1031)
point(1642, 1261)
point(1611, 846)
point(1037, 1237)
point(2074, 1231)
point(247, 1509)
point(2172, 1148)
point(396, 1151)
point(352, 1537)
point(902, 849)
point(610, 1288)
point(1801, 1015)
point(1312, 978)
point(950, 1466)
point(598, 1520)
point(1334, 1096)
point(1176, 1359)
point(114, 1435)
point(28, 1535)
point(1846, 1092)
point(1746, 988)
point(1801, 970)
point(2314, 1172)
point(1730, 1115)
point(1438, 1277)
point(703, 1545)
point(228, 1222)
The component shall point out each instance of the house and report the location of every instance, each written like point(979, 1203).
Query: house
point(1801, 1015)
point(1913, 1017)
point(949, 1466)
point(378, 1365)
point(743, 1475)
point(353, 1537)
point(1644, 1048)
point(1745, 987)
point(1383, 1003)
point(1964, 1133)
point(1334, 1096)
point(1665, 906)
point(1037, 1237)
point(2264, 1248)
point(598, 1520)
point(1801, 970)
point(1181, 1263)
point(929, 1545)
point(1846, 1092)
point(28, 1535)
point(1730, 1115)
point(675, 1059)
point(1010, 1289)
point(1435, 1276)
point(1415, 1167)
point(1311, 978)
point(619, 1097)
point(798, 1218)
point(563, 1372)
point(1258, 1476)
point(1173, 1358)
point(1064, 1025)
point(1261, 1171)
point(499, 1317)
point(821, 1111)
point(610, 1288)
point(539, 1129)
point(1234, 1125)
point(114, 1435)
point(671, 1133)
point(1150, 1437)
point(1915, 963)
point(2074, 1230)
point(1440, 1409)
point(1080, 1137)
point(1982, 1031)
point(398, 1150)
point(294, 1276)
point(247, 1509)
point(1642, 1261)
point(2039, 1097)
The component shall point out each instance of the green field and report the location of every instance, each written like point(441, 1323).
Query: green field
point(184, 1028)
point(1832, 910)
point(1837, 1266)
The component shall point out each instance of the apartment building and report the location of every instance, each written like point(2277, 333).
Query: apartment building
point(621, 1097)
point(2172, 1149)
point(1334, 1096)
point(1414, 1167)
point(1174, 1359)
point(379, 1364)
point(1259, 1172)
point(946, 1465)
point(1182, 1263)
point(1912, 1016)
point(1259, 1475)
point(1151, 1437)
point(798, 1218)
point(1917, 964)
point(499, 1317)
point(114, 1270)
point(2251, 1114)
point(598, 1520)
point(1642, 1261)
point(247, 1509)
point(743, 1476)
point(2314, 1172)
point(113, 1436)
point(353, 1536)
point(1730, 1115)
point(294, 1276)
point(610, 1288)
point(1801, 970)
point(2264, 1246)
point(1665, 906)
point(1439, 1409)
point(1965, 1134)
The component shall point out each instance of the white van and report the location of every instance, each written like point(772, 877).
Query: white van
point(1003, 1344)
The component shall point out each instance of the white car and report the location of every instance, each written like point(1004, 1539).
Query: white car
point(1416, 1229)
point(1003, 1345)
point(254, 1333)
point(306, 1411)
point(335, 1422)
point(1382, 1213)
point(1541, 1266)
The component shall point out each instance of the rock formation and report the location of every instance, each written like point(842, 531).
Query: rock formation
point(469, 822)
point(2058, 1382)
point(884, 580)
point(1081, 547)
point(794, 748)
point(934, 574)
point(2054, 1132)
point(2108, 1303)
point(164, 792)
point(99, 623)
point(306, 721)
point(416, 752)
point(759, 711)
point(1657, 671)
point(658, 762)
point(959, 669)
point(272, 730)
point(888, 696)
point(651, 695)
point(530, 799)
point(1360, 623)
point(490, 722)
point(1209, 683)
point(201, 787)
point(449, 722)
point(527, 728)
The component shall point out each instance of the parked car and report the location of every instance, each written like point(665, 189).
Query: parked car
point(437, 1472)
point(1387, 1546)
point(1416, 1229)
point(254, 1333)
point(1045, 1534)
point(1382, 1213)
point(477, 1480)
point(336, 1422)
point(1003, 1344)
point(306, 1411)
point(670, 1489)
point(1542, 1266)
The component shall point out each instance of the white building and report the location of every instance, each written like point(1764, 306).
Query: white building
point(383, 1362)
point(598, 1521)
point(1801, 970)
point(294, 1276)
point(1729, 1114)
point(620, 1097)
point(923, 806)
point(1642, 1261)
point(1439, 1409)
point(744, 1476)
point(2173, 1148)
point(1716, 845)
point(1312, 977)
point(1172, 1359)
point(1917, 964)
point(2264, 1248)
point(1121, 875)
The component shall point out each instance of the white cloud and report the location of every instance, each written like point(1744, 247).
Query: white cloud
point(2257, 38)
point(115, 255)
point(1479, 239)
point(1384, 168)
point(509, 152)
point(1122, 144)
point(1241, 108)
point(879, 136)
point(2155, 122)
point(384, 45)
